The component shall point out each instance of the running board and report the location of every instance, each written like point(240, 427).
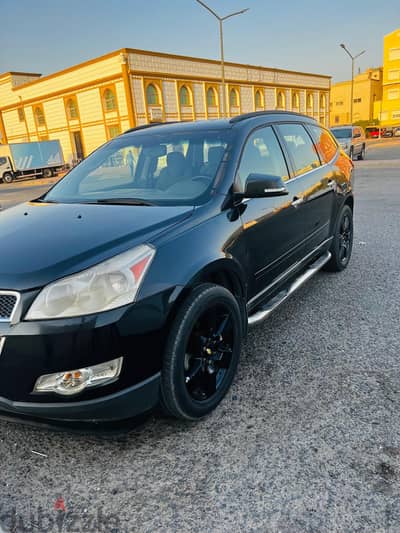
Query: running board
point(263, 312)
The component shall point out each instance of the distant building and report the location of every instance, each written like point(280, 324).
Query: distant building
point(388, 109)
point(87, 104)
point(367, 91)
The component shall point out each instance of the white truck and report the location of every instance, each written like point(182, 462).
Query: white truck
point(30, 160)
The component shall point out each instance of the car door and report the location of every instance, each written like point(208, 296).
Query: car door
point(273, 228)
point(357, 141)
point(312, 170)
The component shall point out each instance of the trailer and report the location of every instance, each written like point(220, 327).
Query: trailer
point(30, 160)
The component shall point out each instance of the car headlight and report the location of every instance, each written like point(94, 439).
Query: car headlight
point(108, 285)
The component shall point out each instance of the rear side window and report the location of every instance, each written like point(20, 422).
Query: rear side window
point(300, 147)
point(324, 142)
point(262, 154)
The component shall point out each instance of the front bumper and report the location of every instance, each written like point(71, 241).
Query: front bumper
point(121, 405)
point(30, 349)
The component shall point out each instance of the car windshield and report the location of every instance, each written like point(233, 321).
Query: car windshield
point(146, 168)
point(342, 133)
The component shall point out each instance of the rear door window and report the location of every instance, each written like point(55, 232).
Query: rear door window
point(324, 142)
point(300, 147)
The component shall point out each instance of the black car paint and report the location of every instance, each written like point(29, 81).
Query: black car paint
point(245, 244)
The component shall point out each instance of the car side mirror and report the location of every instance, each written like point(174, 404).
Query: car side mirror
point(264, 186)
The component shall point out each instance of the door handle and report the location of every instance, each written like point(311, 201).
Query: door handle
point(297, 201)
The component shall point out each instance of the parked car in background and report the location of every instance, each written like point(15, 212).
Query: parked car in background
point(387, 132)
point(129, 285)
point(352, 140)
point(372, 132)
point(396, 132)
point(30, 160)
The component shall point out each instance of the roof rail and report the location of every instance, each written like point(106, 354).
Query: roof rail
point(145, 126)
point(254, 114)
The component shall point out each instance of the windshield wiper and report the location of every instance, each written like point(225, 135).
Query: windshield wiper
point(123, 201)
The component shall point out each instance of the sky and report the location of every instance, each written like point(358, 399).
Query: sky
point(45, 36)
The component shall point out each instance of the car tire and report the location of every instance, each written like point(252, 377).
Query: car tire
point(8, 177)
point(361, 155)
point(202, 352)
point(342, 243)
point(47, 173)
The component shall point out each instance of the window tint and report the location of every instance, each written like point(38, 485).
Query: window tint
point(262, 155)
point(325, 143)
point(165, 168)
point(300, 147)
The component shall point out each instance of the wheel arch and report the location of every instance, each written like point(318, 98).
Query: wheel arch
point(224, 272)
point(349, 200)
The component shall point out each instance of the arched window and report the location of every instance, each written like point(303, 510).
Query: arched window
point(234, 98)
point(258, 99)
point(322, 101)
point(152, 95)
point(211, 97)
point(39, 117)
point(280, 100)
point(310, 102)
point(72, 109)
point(295, 100)
point(184, 96)
point(110, 103)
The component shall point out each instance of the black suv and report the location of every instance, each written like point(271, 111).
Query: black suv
point(132, 282)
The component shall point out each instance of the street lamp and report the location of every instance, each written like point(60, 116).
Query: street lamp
point(353, 58)
point(221, 42)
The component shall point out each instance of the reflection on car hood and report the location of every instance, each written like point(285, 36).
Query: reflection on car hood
point(42, 242)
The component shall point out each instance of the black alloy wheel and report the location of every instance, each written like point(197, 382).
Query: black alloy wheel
point(209, 352)
point(342, 243)
point(202, 352)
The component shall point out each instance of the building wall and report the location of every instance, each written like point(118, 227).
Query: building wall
point(38, 108)
point(367, 90)
point(167, 74)
point(389, 109)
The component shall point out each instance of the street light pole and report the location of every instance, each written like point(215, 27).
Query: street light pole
point(353, 58)
point(221, 20)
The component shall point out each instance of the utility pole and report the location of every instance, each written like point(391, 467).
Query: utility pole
point(221, 20)
point(353, 58)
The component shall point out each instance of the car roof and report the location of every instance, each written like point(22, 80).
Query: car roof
point(245, 120)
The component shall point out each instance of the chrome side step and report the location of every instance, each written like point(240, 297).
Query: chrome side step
point(264, 311)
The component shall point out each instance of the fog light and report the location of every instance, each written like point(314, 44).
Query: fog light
point(74, 381)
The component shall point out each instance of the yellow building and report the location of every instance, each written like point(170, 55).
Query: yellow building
point(367, 91)
point(388, 109)
point(87, 104)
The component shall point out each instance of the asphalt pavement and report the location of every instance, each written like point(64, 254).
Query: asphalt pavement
point(307, 440)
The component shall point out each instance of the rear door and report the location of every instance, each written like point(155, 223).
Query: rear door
point(310, 160)
point(273, 228)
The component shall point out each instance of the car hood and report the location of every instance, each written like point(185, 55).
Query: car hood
point(41, 242)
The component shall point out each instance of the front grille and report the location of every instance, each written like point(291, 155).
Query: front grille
point(8, 303)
